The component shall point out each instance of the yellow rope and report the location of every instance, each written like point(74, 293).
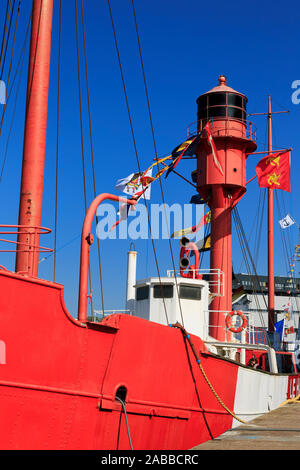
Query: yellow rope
point(291, 400)
point(178, 325)
point(218, 398)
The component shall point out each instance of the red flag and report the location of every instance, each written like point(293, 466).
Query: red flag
point(213, 149)
point(273, 171)
point(289, 331)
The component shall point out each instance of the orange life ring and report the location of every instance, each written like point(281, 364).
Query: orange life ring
point(228, 321)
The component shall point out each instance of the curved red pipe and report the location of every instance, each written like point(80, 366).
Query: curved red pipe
point(184, 251)
point(86, 242)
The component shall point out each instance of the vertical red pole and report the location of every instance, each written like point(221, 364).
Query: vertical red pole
point(30, 209)
point(271, 294)
point(220, 258)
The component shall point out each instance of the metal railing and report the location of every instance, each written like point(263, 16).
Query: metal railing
point(31, 246)
point(214, 277)
point(248, 131)
point(251, 334)
point(100, 314)
point(249, 338)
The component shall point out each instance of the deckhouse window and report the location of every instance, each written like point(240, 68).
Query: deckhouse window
point(163, 291)
point(142, 293)
point(190, 292)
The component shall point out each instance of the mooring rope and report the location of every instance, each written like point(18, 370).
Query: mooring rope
point(198, 360)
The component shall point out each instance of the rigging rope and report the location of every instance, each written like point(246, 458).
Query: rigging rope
point(156, 154)
point(57, 142)
point(7, 41)
point(20, 61)
point(82, 143)
point(259, 226)
point(253, 277)
point(288, 256)
point(136, 152)
point(7, 14)
point(92, 150)
point(256, 218)
point(126, 419)
point(4, 29)
point(10, 65)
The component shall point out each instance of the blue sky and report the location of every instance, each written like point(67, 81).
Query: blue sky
point(186, 46)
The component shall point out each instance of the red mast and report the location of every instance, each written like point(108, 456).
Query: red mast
point(271, 270)
point(31, 196)
point(224, 109)
point(271, 282)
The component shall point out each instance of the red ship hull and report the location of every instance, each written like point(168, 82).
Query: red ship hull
point(60, 378)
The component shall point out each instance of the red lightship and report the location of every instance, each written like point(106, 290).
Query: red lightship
point(132, 381)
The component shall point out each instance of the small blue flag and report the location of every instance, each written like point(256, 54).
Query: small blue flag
point(279, 328)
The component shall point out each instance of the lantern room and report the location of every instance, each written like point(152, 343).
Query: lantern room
point(222, 102)
point(224, 110)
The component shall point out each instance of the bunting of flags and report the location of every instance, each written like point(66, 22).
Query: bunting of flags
point(287, 311)
point(187, 148)
point(197, 199)
point(187, 231)
point(203, 245)
point(134, 183)
point(138, 185)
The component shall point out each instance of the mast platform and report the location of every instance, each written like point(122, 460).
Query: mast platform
point(277, 430)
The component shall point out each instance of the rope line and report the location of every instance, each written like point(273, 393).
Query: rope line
point(7, 41)
point(57, 142)
point(253, 277)
point(291, 400)
point(187, 336)
point(10, 66)
point(7, 14)
point(156, 154)
point(21, 61)
point(126, 419)
point(136, 152)
point(92, 150)
point(82, 143)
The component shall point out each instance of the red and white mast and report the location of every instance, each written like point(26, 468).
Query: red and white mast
point(31, 196)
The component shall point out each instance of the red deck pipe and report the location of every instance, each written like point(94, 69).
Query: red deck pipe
point(30, 209)
point(193, 269)
point(86, 242)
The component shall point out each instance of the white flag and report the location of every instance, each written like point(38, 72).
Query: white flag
point(134, 184)
point(286, 222)
point(122, 183)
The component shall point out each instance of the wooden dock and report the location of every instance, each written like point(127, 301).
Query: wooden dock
point(277, 430)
